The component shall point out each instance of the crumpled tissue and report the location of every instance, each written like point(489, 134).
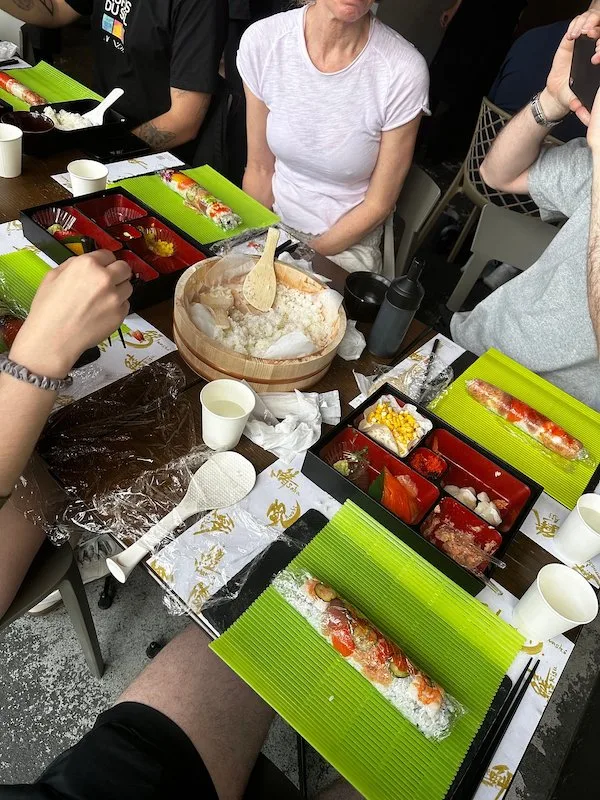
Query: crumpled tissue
point(301, 415)
point(352, 345)
point(7, 50)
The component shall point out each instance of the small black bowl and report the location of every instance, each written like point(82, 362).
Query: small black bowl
point(363, 295)
point(35, 127)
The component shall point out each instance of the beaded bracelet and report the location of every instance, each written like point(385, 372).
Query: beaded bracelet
point(21, 373)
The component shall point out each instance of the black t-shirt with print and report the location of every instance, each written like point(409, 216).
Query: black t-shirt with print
point(148, 46)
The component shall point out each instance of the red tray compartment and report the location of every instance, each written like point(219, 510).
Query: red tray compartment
point(427, 463)
point(125, 233)
point(111, 210)
point(140, 269)
point(184, 256)
point(86, 227)
point(467, 467)
point(379, 457)
point(448, 516)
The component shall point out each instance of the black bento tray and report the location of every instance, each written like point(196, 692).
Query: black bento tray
point(236, 597)
point(145, 293)
point(340, 487)
point(56, 141)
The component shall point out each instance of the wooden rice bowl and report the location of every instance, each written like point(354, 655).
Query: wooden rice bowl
point(212, 360)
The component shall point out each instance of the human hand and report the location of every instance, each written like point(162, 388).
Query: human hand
point(583, 24)
point(77, 305)
point(558, 98)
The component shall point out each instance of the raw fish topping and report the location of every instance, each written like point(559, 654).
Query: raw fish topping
point(527, 419)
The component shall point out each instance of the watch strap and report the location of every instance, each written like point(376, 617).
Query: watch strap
point(539, 115)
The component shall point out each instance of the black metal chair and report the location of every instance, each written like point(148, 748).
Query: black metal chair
point(56, 568)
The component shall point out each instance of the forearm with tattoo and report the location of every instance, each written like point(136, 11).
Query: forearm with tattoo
point(30, 5)
point(45, 13)
point(593, 267)
point(156, 138)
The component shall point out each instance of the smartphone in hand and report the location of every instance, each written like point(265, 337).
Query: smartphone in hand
point(585, 76)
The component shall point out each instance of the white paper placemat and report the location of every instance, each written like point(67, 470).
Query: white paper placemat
point(553, 656)
point(208, 554)
point(130, 168)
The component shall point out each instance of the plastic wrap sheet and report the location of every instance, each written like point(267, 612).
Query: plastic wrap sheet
point(217, 563)
point(412, 380)
point(125, 457)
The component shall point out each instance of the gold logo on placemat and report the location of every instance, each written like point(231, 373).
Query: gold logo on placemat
point(533, 649)
point(545, 686)
point(206, 566)
point(162, 571)
point(499, 777)
point(278, 514)
point(589, 572)
point(286, 478)
point(215, 523)
point(546, 526)
point(133, 363)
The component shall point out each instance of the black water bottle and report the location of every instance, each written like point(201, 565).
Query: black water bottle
point(400, 305)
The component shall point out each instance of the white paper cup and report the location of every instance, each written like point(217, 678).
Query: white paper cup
point(87, 177)
point(558, 600)
point(11, 151)
point(578, 539)
point(223, 423)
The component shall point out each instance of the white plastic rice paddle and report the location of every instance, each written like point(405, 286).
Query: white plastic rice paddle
point(96, 115)
point(223, 480)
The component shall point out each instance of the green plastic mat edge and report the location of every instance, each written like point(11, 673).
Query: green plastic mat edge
point(153, 192)
point(460, 643)
point(563, 480)
point(48, 82)
point(21, 273)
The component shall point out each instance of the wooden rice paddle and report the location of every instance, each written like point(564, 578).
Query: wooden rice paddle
point(261, 284)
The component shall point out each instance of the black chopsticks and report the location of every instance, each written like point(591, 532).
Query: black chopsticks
point(483, 757)
point(121, 337)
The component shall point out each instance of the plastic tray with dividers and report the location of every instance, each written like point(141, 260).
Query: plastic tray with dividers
point(460, 461)
point(157, 251)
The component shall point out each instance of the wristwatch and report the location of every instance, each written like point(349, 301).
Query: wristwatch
point(538, 113)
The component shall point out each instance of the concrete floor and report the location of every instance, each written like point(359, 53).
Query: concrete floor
point(48, 699)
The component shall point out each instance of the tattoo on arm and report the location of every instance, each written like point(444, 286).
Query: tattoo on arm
point(27, 5)
point(156, 138)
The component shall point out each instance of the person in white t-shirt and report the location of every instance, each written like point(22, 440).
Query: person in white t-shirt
point(334, 102)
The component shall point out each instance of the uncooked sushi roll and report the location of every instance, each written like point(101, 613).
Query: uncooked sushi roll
point(419, 699)
point(200, 200)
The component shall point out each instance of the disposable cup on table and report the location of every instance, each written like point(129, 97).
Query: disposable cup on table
point(578, 539)
point(226, 406)
point(87, 176)
point(559, 599)
point(11, 151)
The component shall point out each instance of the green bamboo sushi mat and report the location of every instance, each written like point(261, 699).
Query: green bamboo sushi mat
point(564, 480)
point(452, 636)
point(20, 276)
point(50, 83)
point(151, 190)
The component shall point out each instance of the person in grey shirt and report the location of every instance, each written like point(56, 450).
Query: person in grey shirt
point(548, 318)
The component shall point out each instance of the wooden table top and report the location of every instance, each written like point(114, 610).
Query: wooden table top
point(35, 187)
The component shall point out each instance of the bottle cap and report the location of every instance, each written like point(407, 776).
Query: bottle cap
point(406, 292)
